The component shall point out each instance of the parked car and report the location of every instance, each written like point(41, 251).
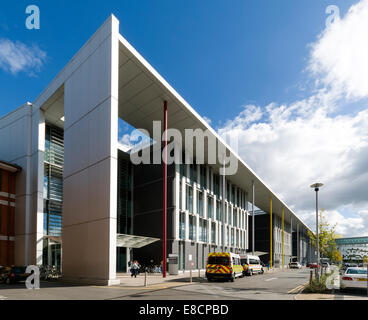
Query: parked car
point(13, 274)
point(295, 265)
point(354, 277)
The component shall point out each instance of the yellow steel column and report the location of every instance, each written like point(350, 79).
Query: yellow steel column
point(271, 233)
point(283, 241)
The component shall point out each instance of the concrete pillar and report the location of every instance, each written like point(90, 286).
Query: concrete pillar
point(90, 170)
point(297, 242)
point(127, 259)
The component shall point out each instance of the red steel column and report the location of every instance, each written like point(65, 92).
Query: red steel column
point(165, 193)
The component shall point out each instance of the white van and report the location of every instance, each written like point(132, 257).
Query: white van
point(251, 264)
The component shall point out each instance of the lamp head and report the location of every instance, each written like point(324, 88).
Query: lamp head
point(316, 186)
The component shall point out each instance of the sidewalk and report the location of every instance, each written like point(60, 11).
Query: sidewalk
point(320, 296)
point(156, 279)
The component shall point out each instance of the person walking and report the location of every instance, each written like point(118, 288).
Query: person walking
point(135, 268)
point(130, 266)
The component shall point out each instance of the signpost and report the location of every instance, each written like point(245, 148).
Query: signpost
point(190, 258)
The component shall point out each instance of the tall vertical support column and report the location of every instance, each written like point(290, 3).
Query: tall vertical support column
point(165, 193)
point(91, 95)
point(253, 222)
point(297, 242)
point(271, 239)
point(291, 232)
point(283, 237)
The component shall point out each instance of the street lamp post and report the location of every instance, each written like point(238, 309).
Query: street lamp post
point(316, 187)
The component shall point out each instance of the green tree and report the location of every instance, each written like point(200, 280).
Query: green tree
point(326, 237)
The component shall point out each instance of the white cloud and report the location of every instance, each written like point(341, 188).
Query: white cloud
point(208, 120)
point(292, 146)
point(16, 57)
point(339, 58)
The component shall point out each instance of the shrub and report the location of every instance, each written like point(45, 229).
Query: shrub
point(317, 286)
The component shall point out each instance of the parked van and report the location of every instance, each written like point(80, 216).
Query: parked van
point(251, 264)
point(223, 265)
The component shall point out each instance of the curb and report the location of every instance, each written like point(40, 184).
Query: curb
point(299, 290)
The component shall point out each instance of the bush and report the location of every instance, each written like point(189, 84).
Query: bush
point(317, 286)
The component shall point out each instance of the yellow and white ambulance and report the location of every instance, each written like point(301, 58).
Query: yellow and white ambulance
point(223, 265)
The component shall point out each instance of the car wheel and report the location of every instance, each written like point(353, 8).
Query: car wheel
point(209, 279)
point(232, 278)
point(262, 271)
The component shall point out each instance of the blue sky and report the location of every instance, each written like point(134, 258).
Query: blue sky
point(269, 72)
point(218, 56)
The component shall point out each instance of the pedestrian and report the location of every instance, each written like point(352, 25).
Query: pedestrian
point(135, 268)
point(129, 266)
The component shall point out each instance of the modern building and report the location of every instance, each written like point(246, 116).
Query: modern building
point(290, 241)
point(353, 249)
point(7, 212)
point(81, 203)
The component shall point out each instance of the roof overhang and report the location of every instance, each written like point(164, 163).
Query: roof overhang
point(135, 242)
point(142, 91)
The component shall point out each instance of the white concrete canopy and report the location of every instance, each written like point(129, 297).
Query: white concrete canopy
point(142, 92)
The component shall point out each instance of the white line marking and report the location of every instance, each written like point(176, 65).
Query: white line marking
point(271, 279)
point(3, 298)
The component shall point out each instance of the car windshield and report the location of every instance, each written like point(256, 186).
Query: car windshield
point(225, 261)
point(253, 261)
point(357, 271)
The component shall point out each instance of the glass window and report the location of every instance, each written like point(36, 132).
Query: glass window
point(182, 170)
point(225, 261)
point(232, 237)
point(233, 195)
point(203, 177)
point(180, 196)
point(219, 210)
point(200, 203)
point(193, 173)
point(203, 230)
point(182, 226)
point(235, 218)
point(216, 182)
point(192, 228)
point(189, 199)
point(210, 207)
point(213, 232)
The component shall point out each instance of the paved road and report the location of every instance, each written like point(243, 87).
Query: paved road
point(275, 285)
point(272, 286)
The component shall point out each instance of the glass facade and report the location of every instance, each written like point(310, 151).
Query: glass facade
point(124, 208)
point(53, 195)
